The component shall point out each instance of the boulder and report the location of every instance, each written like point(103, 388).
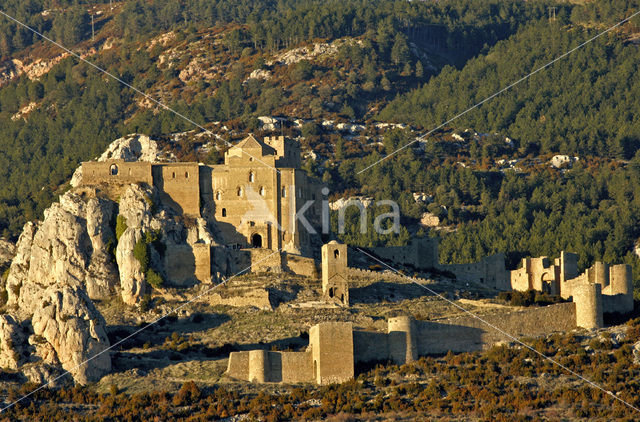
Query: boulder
point(44, 374)
point(68, 320)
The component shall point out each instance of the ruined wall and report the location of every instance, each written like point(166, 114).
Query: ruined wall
point(259, 298)
point(265, 260)
point(490, 271)
point(300, 265)
point(202, 255)
point(116, 171)
point(466, 333)
point(265, 366)
point(180, 265)
point(384, 276)
point(421, 254)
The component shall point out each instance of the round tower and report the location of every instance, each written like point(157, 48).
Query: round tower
point(403, 345)
point(621, 279)
point(588, 300)
point(258, 362)
point(601, 274)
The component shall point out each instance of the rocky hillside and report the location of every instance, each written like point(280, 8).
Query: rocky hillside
point(86, 248)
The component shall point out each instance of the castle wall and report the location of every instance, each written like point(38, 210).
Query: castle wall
point(466, 333)
point(332, 350)
point(588, 300)
point(265, 366)
point(180, 264)
point(259, 298)
point(202, 257)
point(370, 346)
point(300, 265)
point(179, 184)
point(296, 367)
point(116, 171)
point(238, 365)
point(490, 271)
point(421, 254)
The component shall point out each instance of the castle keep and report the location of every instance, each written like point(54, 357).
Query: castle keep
point(253, 197)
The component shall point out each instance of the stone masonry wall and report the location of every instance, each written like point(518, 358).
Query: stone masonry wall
point(466, 333)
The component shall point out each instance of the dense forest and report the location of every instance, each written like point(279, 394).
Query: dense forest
point(414, 62)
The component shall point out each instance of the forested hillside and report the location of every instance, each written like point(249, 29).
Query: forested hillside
point(418, 63)
point(77, 112)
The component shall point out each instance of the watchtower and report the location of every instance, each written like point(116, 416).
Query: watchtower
point(334, 272)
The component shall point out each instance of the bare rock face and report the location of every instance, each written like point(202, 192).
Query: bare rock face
point(43, 373)
point(68, 320)
point(70, 247)
point(134, 147)
point(133, 284)
point(11, 340)
point(136, 209)
point(7, 251)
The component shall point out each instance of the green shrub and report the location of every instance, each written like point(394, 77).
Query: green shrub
point(121, 226)
point(141, 253)
point(154, 278)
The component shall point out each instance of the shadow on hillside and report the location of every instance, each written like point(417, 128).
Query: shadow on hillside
point(384, 291)
point(154, 334)
point(162, 357)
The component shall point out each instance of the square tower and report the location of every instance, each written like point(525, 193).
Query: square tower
point(332, 352)
point(334, 272)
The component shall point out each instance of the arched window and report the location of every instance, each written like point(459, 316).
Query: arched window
point(173, 175)
point(263, 191)
point(284, 192)
point(252, 177)
point(113, 170)
point(218, 195)
point(336, 253)
point(186, 174)
point(239, 191)
point(224, 212)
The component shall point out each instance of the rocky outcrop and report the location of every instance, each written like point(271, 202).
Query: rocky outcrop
point(7, 252)
point(70, 247)
point(11, 340)
point(134, 147)
point(68, 320)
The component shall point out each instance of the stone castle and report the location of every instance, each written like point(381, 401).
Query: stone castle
point(253, 197)
point(335, 348)
point(250, 201)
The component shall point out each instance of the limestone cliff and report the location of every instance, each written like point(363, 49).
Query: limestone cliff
point(68, 320)
point(70, 247)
